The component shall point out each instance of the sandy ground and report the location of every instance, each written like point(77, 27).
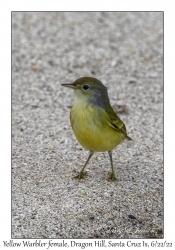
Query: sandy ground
point(125, 51)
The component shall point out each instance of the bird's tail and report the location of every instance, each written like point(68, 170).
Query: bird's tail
point(128, 138)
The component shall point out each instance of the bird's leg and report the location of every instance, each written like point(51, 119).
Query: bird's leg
point(82, 172)
point(111, 175)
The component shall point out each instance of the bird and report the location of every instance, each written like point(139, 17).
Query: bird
point(94, 122)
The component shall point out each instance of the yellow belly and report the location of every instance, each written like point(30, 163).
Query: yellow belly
point(92, 130)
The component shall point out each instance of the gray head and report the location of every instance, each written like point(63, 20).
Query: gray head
point(90, 89)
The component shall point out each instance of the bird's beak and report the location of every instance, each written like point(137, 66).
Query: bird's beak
point(69, 85)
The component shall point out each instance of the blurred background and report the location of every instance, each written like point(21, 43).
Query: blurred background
point(125, 51)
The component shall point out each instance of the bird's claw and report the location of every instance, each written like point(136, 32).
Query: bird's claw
point(81, 175)
point(111, 176)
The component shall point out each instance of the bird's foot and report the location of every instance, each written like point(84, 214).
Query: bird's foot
point(111, 176)
point(81, 175)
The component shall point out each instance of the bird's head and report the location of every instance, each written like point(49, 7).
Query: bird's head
point(89, 89)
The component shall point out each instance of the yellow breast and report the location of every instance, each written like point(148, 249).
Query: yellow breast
point(91, 128)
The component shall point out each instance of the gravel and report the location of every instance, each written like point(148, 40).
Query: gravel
point(125, 51)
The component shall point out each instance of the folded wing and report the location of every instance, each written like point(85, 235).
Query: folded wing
point(115, 122)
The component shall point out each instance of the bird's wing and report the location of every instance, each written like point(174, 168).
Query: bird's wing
point(115, 122)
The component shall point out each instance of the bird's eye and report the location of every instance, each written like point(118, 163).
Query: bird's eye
point(85, 87)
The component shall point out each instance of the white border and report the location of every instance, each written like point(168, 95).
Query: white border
point(5, 93)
